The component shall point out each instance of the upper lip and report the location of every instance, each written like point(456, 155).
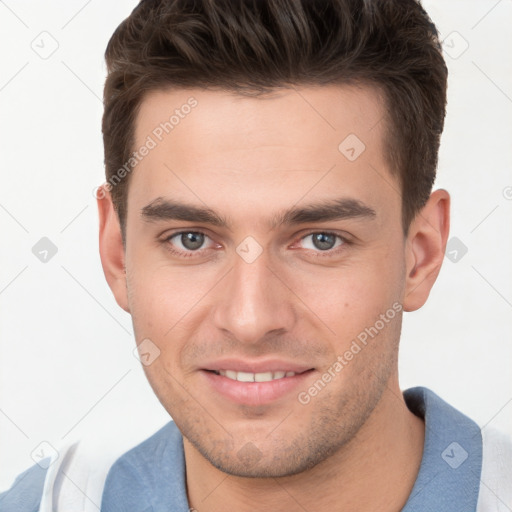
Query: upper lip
point(256, 366)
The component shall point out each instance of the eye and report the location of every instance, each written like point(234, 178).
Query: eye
point(187, 241)
point(322, 241)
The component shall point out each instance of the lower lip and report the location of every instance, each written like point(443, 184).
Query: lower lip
point(255, 393)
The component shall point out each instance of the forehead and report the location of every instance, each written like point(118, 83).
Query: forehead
point(284, 115)
point(232, 151)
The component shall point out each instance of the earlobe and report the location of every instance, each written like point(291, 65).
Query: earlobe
point(111, 247)
point(425, 248)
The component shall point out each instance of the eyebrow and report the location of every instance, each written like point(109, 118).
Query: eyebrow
point(328, 210)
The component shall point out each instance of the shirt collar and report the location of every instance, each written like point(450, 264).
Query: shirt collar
point(449, 475)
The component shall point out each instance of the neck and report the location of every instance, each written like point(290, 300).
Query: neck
point(376, 470)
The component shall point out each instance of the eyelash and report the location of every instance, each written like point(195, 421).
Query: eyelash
point(318, 254)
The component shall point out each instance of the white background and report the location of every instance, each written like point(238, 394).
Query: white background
point(66, 362)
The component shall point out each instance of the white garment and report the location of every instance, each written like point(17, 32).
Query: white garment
point(496, 478)
point(76, 476)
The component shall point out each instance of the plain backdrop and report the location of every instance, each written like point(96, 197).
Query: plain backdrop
point(66, 358)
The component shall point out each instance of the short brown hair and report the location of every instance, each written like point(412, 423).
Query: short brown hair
point(254, 46)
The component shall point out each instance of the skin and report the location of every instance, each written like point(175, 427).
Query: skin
point(353, 446)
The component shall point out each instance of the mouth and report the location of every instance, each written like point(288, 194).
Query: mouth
point(262, 387)
point(254, 377)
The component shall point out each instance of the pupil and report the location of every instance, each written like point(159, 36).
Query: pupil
point(323, 241)
point(192, 241)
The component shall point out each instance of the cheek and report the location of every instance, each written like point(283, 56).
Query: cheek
point(352, 297)
point(160, 296)
point(168, 308)
point(158, 307)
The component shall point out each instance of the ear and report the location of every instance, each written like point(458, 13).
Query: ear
point(111, 247)
point(425, 248)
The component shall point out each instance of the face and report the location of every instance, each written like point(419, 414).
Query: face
point(264, 251)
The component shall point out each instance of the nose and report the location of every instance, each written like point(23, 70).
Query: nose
point(254, 302)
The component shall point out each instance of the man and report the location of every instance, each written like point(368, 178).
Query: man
point(267, 218)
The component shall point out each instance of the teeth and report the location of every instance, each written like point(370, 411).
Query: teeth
point(263, 377)
point(254, 377)
point(244, 377)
